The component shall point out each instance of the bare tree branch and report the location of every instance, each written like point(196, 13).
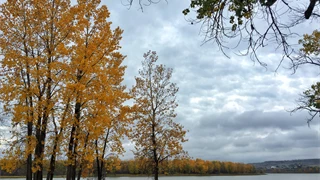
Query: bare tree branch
point(141, 3)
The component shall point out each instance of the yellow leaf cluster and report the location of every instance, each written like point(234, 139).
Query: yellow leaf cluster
point(61, 80)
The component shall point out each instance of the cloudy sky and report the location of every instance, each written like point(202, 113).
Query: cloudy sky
point(234, 109)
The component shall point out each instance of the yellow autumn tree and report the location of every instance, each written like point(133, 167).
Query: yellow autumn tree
point(15, 81)
point(32, 36)
point(95, 78)
point(156, 135)
point(61, 78)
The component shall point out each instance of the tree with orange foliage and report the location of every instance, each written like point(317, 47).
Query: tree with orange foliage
point(156, 135)
point(95, 85)
point(61, 78)
point(33, 34)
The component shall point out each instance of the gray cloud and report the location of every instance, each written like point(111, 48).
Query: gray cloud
point(246, 136)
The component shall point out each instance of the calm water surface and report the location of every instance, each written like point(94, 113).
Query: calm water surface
point(261, 177)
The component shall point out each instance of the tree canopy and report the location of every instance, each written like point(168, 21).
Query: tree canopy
point(61, 85)
point(243, 20)
point(310, 101)
point(254, 23)
point(156, 135)
point(309, 55)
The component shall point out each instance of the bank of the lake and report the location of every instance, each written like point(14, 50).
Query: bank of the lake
point(294, 176)
point(142, 175)
point(177, 175)
point(264, 177)
point(244, 177)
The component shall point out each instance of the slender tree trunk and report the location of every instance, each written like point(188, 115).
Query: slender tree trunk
point(30, 127)
point(155, 155)
point(72, 150)
point(70, 153)
point(41, 138)
point(55, 147)
point(100, 163)
point(74, 166)
point(99, 166)
point(42, 126)
point(156, 171)
point(79, 172)
point(81, 164)
point(38, 173)
point(29, 101)
point(52, 163)
point(71, 169)
point(37, 154)
point(29, 159)
point(47, 111)
point(98, 169)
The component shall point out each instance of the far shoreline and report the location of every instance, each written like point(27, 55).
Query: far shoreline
point(174, 175)
point(148, 175)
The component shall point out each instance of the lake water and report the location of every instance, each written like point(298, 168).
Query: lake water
point(260, 177)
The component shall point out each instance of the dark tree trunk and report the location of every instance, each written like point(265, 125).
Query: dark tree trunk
point(81, 164)
point(37, 154)
point(52, 164)
point(72, 149)
point(99, 170)
point(41, 138)
point(79, 172)
point(29, 159)
point(156, 171)
point(29, 102)
point(100, 163)
point(51, 167)
point(70, 172)
point(55, 147)
point(41, 131)
point(155, 154)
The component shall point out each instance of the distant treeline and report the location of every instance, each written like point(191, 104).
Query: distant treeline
point(314, 169)
point(142, 166)
point(289, 166)
point(187, 166)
